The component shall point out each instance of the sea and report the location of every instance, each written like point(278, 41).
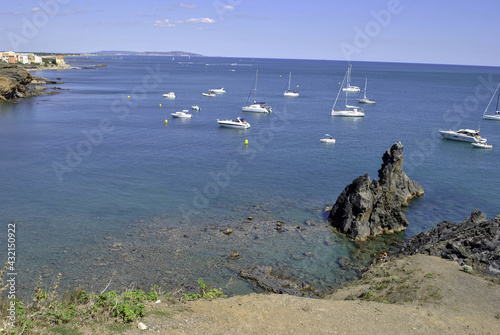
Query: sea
point(103, 186)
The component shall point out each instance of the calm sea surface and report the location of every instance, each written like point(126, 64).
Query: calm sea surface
point(95, 179)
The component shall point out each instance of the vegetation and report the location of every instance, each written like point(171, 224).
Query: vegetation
point(63, 315)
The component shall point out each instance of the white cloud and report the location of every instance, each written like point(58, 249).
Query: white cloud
point(164, 23)
point(200, 20)
point(170, 23)
point(227, 7)
point(187, 5)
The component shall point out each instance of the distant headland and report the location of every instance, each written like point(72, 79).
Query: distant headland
point(144, 53)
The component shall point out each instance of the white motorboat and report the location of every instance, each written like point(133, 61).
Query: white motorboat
point(182, 115)
point(364, 99)
point(288, 92)
point(482, 145)
point(496, 115)
point(464, 135)
point(327, 139)
point(238, 123)
point(218, 90)
point(256, 107)
point(195, 107)
point(348, 87)
point(170, 95)
point(348, 111)
point(209, 94)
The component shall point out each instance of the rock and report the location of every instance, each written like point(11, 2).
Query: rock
point(371, 207)
point(268, 281)
point(142, 326)
point(475, 242)
point(16, 82)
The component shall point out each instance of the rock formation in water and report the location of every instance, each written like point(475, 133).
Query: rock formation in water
point(16, 82)
point(371, 207)
point(474, 242)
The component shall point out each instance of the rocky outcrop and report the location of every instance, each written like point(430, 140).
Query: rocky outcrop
point(16, 82)
point(270, 282)
point(371, 207)
point(474, 242)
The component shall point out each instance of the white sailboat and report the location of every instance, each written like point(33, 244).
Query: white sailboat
point(350, 88)
point(288, 92)
point(349, 111)
point(495, 116)
point(256, 107)
point(364, 99)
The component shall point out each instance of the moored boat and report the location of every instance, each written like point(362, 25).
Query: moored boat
point(170, 95)
point(218, 90)
point(464, 135)
point(482, 145)
point(209, 94)
point(256, 107)
point(327, 139)
point(181, 115)
point(238, 123)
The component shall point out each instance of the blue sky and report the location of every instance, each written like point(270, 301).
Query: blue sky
point(419, 31)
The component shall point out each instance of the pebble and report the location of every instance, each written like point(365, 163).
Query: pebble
point(141, 326)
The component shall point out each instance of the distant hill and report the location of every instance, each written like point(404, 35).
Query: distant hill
point(146, 53)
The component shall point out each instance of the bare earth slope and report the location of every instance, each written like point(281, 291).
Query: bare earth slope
point(412, 295)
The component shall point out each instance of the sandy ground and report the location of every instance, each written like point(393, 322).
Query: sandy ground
point(440, 299)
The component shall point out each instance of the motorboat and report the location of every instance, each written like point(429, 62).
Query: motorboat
point(464, 135)
point(482, 145)
point(209, 94)
point(348, 87)
point(256, 107)
point(195, 107)
point(182, 114)
point(496, 115)
point(288, 92)
point(218, 90)
point(348, 111)
point(170, 95)
point(327, 139)
point(364, 99)
point(238, 123)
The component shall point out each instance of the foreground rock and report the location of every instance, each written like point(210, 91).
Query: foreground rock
point(474, 242)
point(268, 281)
point(16, 82)
point(367, 208)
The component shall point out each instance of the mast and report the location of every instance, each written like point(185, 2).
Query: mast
point(489, 103)
point(498, 96)
point(343, 81)
point(290, 78)
point(348, 76)
point(366, 81)
point(255, 89)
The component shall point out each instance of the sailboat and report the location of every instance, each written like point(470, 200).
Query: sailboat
point(350, 111)
point(256, 107)
point(495, 116)
point(364, 99)
point(350, 88)
point(288, 92)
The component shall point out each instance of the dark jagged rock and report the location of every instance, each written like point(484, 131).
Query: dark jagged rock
point(16, 82)
point(367, 207)
point(268, 281)
point(474, 242)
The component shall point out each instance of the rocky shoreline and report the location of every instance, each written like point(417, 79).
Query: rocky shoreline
point(17, 83)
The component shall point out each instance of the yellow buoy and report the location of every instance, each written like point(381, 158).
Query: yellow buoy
point(128, 96)
point(246, 142)
point(166, 121)
point(160, 105)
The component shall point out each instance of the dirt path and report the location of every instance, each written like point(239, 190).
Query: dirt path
point(441, 299)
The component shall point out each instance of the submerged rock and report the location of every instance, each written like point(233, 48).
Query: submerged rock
point(270, 282)
point(371, 207)
point(474, 242)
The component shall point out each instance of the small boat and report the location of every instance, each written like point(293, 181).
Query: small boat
point(218, 90)
point(209, 94)
point(195, 107)
point(327, 139)
point(238, 123)
point(288, 92)
point(350, 88)
point(495, 116)
point(464, 135)
point(170, 95)
point(364, 99)
point(482, 145)
point(182, 115)
point(256, 107)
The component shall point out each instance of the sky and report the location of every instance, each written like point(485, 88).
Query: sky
point(418, 31)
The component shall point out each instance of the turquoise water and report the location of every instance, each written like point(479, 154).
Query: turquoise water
point(89, 163)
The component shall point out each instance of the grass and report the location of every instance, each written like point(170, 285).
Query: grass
point(48, 313)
